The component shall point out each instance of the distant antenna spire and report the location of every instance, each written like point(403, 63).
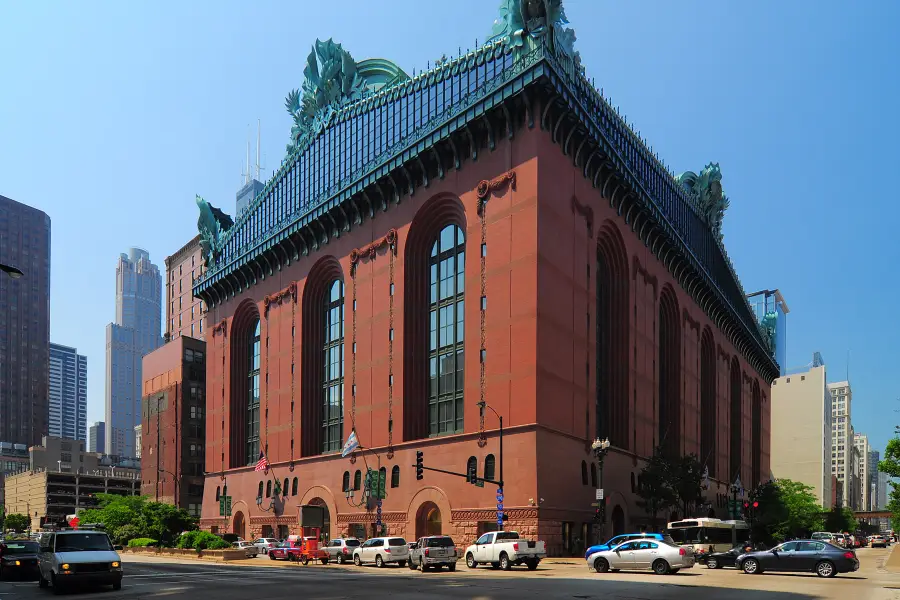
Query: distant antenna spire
point(248, 174)
point(257, 149)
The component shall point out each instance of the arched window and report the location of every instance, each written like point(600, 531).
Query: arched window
point(736, 409)
point(294, 487)
point(472, 465)
point(584, 476)
point(612, 327)
point(333, 381)
point(395, 477)
point(446, 268)
point(269, 489)
point(708, 427)
point(285, 489)
point(756, 436)
point(489, 464)
point(593, 474)
point(260, 490)
point(345, 484)
point(252, 451)
point(357, 479)
point(218, 493)
point(669, 365)
point(382, 472)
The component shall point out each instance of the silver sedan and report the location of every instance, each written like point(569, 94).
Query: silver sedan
point(644, 553)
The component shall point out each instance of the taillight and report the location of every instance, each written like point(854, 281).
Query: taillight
point(516, 546)
point(387, 550)
point(346, 550)
point(455, 551)
point(849, 555)
point(426, 551)
point(681, 551)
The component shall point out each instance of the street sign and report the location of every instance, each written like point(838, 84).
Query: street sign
point(499, 494)
point(599, 493)
point(378, 514)
point(74, 523)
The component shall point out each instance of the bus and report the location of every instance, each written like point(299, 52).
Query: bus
point(709, 535)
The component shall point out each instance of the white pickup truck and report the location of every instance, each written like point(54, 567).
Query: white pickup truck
point(504, 549)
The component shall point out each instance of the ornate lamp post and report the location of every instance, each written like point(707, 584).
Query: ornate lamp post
point(600, 448)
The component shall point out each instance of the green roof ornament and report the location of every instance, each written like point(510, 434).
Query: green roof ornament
point(707, 191)
point(212, 225)
point(521, 20)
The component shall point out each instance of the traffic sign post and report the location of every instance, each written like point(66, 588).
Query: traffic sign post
point(599, 493)
point(500, 509)
point(378, 515)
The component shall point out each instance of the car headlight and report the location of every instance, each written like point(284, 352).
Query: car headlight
point(115, 564)
point(64, 566)
point(18, 563)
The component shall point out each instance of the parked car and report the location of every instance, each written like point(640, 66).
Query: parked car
point(251, 550)
point(648, 553)
point(78, 556)
point(822, 558)
point(286, 550)
point(341, 550)
point(382, 551)
point(264, 544)
point(435, 551)
point(878, 541)
point(717, 560)
point(19, 558)
point(824, 536)
point(505, 549)
point(625, 537)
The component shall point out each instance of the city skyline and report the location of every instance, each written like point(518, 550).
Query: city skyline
point(796, 186)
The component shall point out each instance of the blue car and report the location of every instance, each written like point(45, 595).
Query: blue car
point(622, 538)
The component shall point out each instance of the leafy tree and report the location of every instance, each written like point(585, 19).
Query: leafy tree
point(802, 512)
point(2, 516)
point(17, 522)
point(202, 540)
point(685, 474)
point(129, 517)
point(840, 518)
point(654, 489)
point(893, 505)
point(890, 464)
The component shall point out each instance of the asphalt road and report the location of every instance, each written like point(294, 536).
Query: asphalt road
point(198, 580)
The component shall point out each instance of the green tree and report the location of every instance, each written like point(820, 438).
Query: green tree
point(2, 516)
point(893, 505)
point(840, 518)
point(802, 512)
point(654, 488)
point(890, 464)
point(129, 517)
point(17, 522)
point(685, 474)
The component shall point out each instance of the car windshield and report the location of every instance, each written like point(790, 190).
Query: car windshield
point(80, 542)
point(21, 548)
point(439, 542)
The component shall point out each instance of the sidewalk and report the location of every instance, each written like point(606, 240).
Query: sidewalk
point(262, 562)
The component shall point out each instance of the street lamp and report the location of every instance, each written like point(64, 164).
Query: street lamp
point(600, 448)
point(269, 508)
point(481, 406)
point(13, 272)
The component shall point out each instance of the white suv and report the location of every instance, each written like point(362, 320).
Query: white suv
point(382, 551)
point(78, 556)
point(341, 550)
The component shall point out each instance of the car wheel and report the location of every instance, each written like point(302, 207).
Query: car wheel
point(42, 583)
point(470, 561)
point(495, 565)
point(340, 559)
point(451, 567)
point(601, 565)
point(57, 589)
point(412, 565)
point(356, 560)
point(712, 564)
point(271, 556)
point(305, 560)
point(379, 562)
point(750, 566)
point(117, 585)
point(660, 567)
point(325, 561)
point(401, 563)
point(826, 569)
point(531, 564)
point(504, 562)
point(422, 566)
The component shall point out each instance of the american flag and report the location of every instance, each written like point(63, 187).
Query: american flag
point(262, 464)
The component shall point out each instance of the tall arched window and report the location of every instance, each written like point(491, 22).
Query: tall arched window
point(669, 365)
point(471, 465)
point(333, 381)
point(252, 452)
point(489, 466)
point(218, 493)
point(260, 490)
point(285, 489)
point(612, 327)
point(593, 474)
point(395, 477)
point(736, 419)
point(708, 429)
point(345, 483)
point(294, 487)
point(357, 479)
point(269, 489)
point(446, 323)
point(584, 475)
point(756, 436)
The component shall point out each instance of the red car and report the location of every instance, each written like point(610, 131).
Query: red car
point(287, 550)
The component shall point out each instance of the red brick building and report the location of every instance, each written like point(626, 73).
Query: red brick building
point(184, 312)
point(488, 230)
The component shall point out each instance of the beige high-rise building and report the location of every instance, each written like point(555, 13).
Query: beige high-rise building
point(842, 443)
point(863, 474)
point(801, 431)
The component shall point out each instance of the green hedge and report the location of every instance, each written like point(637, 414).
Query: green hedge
point(202, 540)
point(141, 542)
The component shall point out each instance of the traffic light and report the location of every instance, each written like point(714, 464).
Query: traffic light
point(419, 468)
point(472, 474)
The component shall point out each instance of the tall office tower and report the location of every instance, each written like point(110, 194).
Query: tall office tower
point(68, 393)
point(135, 332)
point(184, 313)
point(874, 458)
point(842, 439)
point(24, 323)
point(771, 311)
point(882, 490)
point(97, 438)
point(861, 441)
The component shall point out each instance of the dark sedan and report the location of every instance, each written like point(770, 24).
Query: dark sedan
point(717, 560)
point(19, 557)
point(812, 556)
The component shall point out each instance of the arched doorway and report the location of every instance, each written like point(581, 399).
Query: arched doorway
point(326, 527)
point(428, 520)
point(239, 526)
point(618, 520)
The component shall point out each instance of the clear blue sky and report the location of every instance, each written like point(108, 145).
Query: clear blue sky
point(114, 114)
